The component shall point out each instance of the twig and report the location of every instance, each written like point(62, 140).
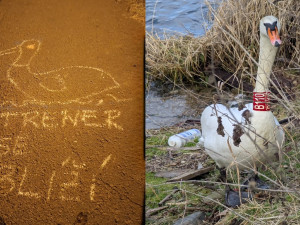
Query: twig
point(213, 212)
point(177, 203)
point(224, 183)
point(150, 212)
point(286, 120)
point(168, 197)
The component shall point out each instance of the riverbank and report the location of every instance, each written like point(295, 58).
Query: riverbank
point(228, 53)
point(231, 45)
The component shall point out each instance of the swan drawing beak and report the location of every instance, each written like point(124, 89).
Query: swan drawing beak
point(274, 37)
point(9, 51)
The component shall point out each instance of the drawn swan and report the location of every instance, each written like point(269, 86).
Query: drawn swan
point(64, 85)
point(262, 136)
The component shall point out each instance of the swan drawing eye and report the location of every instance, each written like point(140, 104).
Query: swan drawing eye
point(32, 46)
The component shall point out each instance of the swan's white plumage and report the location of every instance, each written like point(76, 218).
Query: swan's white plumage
point(248, 151)
point(262, 137)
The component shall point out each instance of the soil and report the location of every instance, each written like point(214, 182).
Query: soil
point(176, 161)
point(71, 140)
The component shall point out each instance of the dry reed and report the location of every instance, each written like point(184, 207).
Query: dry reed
point(184, 58)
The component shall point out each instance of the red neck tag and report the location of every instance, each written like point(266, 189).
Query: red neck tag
point(260, 101)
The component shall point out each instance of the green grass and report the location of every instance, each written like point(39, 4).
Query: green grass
point(157, 140)
point(162, 140)
point(156, 189)
point(192, 144)
point(151, 152)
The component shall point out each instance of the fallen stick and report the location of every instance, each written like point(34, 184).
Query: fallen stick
point(150, 212)
point(192, 174)
point(168, 197)
point(286, 120)
point(177, 203)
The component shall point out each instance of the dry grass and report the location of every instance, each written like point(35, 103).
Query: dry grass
point(176, 58)
point(241, 20)
point(234, 30)
point(232, 44)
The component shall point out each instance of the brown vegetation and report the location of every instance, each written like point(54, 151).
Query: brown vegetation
point(231, 44)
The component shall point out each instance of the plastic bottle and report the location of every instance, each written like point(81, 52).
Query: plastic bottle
point(179, 140)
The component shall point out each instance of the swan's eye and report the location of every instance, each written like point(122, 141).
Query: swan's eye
point(30, 46)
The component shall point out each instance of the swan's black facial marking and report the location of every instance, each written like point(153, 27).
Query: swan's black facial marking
point(272, 26)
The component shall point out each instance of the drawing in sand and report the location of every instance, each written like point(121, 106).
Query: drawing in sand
point(70, 171)
point(80, 84)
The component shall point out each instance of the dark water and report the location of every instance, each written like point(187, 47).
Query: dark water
point(183, 16)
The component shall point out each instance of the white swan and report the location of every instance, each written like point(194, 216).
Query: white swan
point(247, 137)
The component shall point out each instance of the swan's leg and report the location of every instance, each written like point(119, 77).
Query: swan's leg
point(253, 181)
point(232, 197)
point(236, 198)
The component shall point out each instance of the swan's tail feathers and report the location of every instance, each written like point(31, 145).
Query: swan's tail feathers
point(201, 141)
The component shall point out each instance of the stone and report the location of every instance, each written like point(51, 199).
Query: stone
point(214, 195)
point(193, 219)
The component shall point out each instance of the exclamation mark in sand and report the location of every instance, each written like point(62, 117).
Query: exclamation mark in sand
point(93, 186)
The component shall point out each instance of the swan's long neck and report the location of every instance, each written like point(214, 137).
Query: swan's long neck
point(267, 53)
point(263, 121)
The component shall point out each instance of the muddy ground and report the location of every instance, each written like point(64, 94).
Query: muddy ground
point(71, 148)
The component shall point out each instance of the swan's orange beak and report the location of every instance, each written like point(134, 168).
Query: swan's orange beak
point(8, 51)
point(274, 37)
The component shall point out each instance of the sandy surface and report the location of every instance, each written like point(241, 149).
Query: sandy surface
point(71, 134)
